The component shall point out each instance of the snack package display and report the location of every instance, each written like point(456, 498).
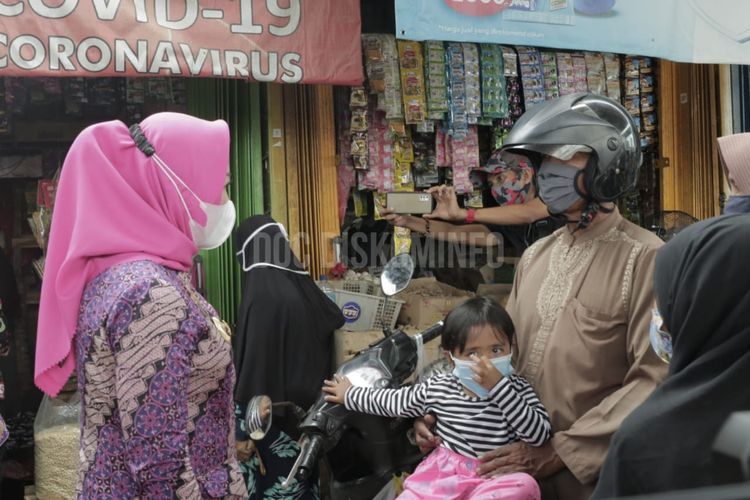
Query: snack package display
point(595, 73)
point(412, 81)
point(403, 181)
point(512, 87)
point(494, 98)
point(474, 199)
point(612, 70)
point(465, 155)
point(401, 240)
point(382, 67)
point(458, 114)
point(437, 85)
point(379, 200)
point(532, 77)
point(571, 69)
point(441, 157)
point(549, 70)
point(360, 122)
point(580, 75)
point(472, 82)
point(648, 103)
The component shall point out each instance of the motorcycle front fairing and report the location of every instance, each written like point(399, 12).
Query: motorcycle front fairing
point(379, 443)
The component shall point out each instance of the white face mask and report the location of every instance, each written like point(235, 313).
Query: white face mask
point(219, 218)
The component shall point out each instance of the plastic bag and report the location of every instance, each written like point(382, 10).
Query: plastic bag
point(56, 445)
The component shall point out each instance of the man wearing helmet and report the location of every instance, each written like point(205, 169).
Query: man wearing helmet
point(582, 297)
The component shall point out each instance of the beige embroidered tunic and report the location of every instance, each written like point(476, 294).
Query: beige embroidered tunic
point(582, 308)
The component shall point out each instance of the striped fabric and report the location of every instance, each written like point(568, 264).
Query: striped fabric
point(467, 425)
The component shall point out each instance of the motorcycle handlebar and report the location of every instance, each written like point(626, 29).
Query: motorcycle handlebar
point(308, 458)
point(432, 332)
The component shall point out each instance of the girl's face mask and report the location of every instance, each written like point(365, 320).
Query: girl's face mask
point(661, 341)
point(463, 372)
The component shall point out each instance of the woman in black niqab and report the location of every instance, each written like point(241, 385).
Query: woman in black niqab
point(282, 344)
point(702, 288)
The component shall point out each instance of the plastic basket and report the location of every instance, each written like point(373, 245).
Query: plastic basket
point(355, 286)
point(363, 312)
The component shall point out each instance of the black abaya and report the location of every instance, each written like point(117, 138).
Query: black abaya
point(702, 286)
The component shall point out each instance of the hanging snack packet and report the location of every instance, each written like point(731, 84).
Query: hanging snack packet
point(412, 81)
point(472, 82)
point(549, 70)
point(437, 85)
point(595, 73)
point(494, 98)
point(401, 240)
point(379, 200)
point(532, 76)
point(612, 70)
point(579, 72)
point(458, 116)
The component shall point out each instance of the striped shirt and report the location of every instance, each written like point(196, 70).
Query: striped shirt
point(467, 425)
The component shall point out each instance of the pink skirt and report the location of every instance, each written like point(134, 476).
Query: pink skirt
point(445, 474)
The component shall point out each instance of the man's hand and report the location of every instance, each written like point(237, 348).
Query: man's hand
point(539, 462)
point(447, 205)
point(336, 389)
point(423, 435)
point(485, 373)
point(416, 224)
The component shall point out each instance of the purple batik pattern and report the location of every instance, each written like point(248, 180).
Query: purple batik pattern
point(156, 380)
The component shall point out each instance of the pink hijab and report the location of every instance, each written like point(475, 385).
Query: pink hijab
point(735, 153)
point(115, 205)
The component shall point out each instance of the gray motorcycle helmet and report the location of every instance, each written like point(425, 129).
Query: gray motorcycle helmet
point(583, 122)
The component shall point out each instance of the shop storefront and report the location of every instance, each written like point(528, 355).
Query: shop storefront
point(65, 67)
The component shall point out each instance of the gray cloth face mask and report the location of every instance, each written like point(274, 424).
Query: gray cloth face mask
point(557, 187)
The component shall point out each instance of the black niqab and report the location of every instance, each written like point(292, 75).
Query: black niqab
point(702, 286)
point(282, 343)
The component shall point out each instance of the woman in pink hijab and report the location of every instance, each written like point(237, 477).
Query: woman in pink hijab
point(734, 153)
point(154, 367)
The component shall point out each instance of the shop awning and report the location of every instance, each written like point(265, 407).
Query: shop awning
point(697, 31)
point(287, 41)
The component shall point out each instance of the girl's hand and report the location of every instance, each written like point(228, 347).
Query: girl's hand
point(400, 220)
point(486, 374)
point(447, 205)
point(336, 389)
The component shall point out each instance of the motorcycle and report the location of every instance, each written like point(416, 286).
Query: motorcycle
point(362, 451)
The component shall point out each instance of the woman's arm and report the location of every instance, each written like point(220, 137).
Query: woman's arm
point(447, 209)
point(473, 234)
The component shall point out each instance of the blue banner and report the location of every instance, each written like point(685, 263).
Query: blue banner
point(698, 31)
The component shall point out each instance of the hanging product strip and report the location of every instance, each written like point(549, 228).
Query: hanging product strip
point(430, 104)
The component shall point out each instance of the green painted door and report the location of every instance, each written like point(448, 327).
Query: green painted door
point(239, 104)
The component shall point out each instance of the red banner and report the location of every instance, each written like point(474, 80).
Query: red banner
point(286, 41)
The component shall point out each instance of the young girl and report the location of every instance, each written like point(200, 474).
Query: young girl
point(480, 406)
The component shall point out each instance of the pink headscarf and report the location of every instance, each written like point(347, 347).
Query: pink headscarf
point(735, 153)
point(114, 205)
